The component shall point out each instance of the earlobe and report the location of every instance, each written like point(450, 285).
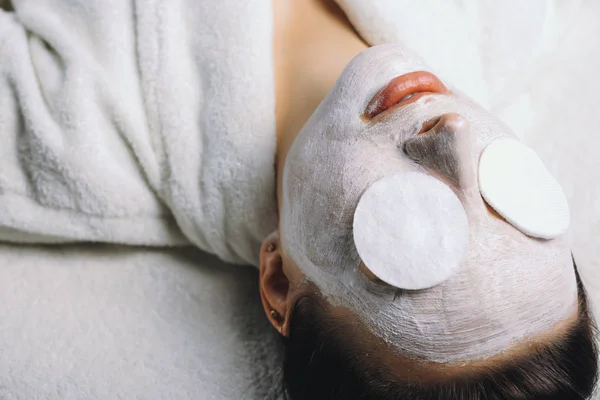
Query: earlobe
point(274, 284)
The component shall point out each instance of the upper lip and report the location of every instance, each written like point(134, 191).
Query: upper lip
point(397, 90)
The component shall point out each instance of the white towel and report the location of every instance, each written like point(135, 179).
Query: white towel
point(138, 122)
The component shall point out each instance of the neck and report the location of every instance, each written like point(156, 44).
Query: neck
point(313, 43)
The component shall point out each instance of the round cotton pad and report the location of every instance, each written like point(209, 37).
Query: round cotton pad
point(515, 182)
point(411, 230)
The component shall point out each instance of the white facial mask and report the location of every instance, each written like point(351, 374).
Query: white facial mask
point(508, 287)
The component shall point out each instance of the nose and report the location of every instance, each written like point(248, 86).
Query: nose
point(443, 146)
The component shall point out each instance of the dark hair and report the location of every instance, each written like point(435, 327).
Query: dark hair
point(319, 364)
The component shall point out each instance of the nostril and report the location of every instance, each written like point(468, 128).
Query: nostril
point(451, 121)
point(428, 125)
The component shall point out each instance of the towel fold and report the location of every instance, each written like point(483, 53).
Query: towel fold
point(138, 122)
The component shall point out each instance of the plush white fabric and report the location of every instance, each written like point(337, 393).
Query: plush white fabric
point(133, 122)
point(107, 322)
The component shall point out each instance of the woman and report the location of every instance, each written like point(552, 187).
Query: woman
point(91, 116)
point(344, 342)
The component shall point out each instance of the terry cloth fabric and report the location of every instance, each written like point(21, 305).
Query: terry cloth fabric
point(138, 122)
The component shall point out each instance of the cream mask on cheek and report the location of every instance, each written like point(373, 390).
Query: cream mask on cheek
point(475, 273)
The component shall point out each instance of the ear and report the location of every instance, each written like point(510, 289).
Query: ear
point(274, 284)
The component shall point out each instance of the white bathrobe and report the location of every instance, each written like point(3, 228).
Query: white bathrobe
point(146, 122)
point(138, 122)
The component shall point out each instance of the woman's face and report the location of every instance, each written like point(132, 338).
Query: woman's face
point(508, 285)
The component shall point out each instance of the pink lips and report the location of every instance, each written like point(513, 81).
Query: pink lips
point(405, 89)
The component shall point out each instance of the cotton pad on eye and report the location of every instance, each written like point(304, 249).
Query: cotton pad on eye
point(411, 230)
point(515, 182)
